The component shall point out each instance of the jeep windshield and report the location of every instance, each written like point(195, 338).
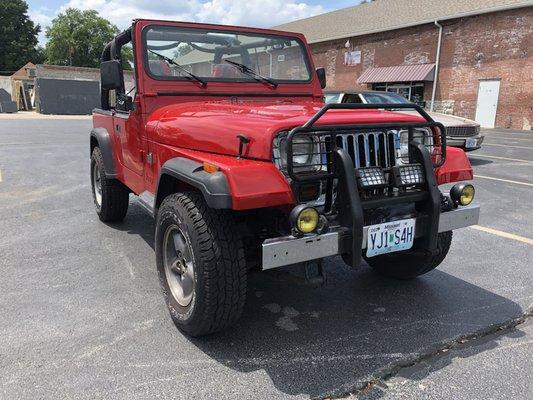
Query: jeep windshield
point(175, 53)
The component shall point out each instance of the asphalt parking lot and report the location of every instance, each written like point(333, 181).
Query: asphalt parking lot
point(82, 315)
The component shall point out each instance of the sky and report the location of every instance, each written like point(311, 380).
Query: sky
point(260, 13)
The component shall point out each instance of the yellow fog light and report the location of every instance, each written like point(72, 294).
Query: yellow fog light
point(462, 193)
point(304, 219)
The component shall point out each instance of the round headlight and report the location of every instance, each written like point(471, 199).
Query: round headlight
point(462, 193)
point(302, 150)
point(304, 219)
point(305, 151)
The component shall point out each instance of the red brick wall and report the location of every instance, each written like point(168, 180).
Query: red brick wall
point(489, 46)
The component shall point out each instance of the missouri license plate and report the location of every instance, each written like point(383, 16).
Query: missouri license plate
point(470, 143)
point(390, 237)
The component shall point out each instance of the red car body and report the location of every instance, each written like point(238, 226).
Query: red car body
point(225, 155)
point(178, 119)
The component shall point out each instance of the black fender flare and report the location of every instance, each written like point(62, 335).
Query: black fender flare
point(213, 186)
point(103, 140)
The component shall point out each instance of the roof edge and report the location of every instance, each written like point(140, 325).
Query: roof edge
point(429, 21)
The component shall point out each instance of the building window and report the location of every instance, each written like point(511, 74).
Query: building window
point(412, 91)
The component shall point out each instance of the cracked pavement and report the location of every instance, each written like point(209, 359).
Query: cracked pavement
point(82, 315)
point(470, 369)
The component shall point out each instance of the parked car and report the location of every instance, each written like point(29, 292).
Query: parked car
point(460, 132)
point(243, 166)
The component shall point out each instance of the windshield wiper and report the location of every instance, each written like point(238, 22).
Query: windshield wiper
point(250, 72)
point(190, 76)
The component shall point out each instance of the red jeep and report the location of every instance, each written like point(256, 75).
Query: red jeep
point(227, 142)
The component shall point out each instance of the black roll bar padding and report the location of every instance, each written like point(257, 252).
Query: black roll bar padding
point(433, 205)
point(349, 204)
point(104, 93)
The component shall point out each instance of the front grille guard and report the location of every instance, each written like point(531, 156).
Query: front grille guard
point(325, 138)
point(340, 166)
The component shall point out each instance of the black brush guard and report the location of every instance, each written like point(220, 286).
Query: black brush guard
point(340, 166)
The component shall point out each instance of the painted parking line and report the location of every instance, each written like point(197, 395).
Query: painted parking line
point(490, 132)
point(502, 158)
point(503, 234)
point(508, 145)
point(0, 175)
point(507, 138)
point(504, 180)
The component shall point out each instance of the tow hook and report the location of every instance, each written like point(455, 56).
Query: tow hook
point(310, 273)
point(313, 278)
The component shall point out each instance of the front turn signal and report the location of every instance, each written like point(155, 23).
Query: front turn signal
point(210, 168)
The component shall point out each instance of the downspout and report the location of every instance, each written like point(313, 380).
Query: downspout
point(437, 61)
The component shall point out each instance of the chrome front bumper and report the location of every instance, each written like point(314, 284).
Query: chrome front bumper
point(289, 250)
point(466, 143)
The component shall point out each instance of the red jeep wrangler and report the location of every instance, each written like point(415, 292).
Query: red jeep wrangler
point(227, 142)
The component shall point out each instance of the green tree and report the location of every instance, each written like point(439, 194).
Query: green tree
point(18, 36)
point(183, 49)
point(78, 37)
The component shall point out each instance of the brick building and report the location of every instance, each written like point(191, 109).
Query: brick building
point(483, 70)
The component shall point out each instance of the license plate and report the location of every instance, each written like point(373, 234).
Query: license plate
point(471, 143)
point(390, 237)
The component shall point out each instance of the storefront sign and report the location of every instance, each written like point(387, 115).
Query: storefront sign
point(352, 58)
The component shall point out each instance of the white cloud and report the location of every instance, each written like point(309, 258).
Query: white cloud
point(260, 13)
point(41, 16)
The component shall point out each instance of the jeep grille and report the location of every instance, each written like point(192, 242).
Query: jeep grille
point(368, 149)
point(462, 131)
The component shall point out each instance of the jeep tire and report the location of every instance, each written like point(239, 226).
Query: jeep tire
point(201, 264)
point(411, 263)
point(110, 196)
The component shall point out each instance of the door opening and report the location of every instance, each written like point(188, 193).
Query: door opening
point(487, 102)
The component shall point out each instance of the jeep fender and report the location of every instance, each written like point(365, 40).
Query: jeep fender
point(456, 167)
point(213, 186)
point(240, 184)
point(100, 137)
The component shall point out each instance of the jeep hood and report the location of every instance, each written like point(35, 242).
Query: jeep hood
point(214, 126)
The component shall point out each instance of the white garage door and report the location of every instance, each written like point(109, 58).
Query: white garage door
point(487, 102)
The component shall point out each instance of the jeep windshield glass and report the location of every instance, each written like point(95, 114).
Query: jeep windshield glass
point(213, 55)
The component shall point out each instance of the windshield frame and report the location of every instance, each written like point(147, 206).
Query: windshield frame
point(301, 44)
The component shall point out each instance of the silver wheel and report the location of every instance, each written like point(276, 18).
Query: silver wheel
point(178, 264)
point(97, 184)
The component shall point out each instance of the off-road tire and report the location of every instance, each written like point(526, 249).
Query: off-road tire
point(114, 195)
point(411, 263)
point(220, 276)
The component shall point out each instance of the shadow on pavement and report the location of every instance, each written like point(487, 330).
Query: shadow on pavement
point(324, 341)
point(137, 222)
point(478, 161)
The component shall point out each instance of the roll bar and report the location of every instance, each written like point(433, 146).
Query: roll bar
point(112, 51)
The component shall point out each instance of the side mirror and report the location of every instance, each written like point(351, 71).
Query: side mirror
point(111, 75)
point(321, 73)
